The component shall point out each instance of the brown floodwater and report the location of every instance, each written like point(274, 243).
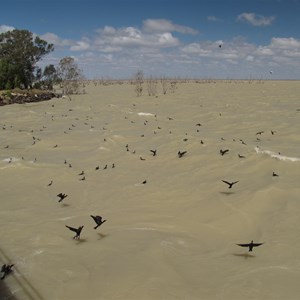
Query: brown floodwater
point(174, 236)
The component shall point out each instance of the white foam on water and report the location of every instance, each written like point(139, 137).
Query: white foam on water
point(103, 148)
point(276, 155)
point(145, 114)
point(11, 159)
point(143, 228)
point(66, 218)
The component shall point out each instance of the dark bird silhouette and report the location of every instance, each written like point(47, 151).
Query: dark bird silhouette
point(76, 230)
point(50, 183)
point(274, 174)
point(144, 182)
point(97, 168)
point(250, 245)
point(180, 154)
point(82, 173)
point(230, 184)
point(220, 46)
point(105, 167)
point(241, 156)
point(99, 221)
point(273, 132)
point(6, 269)
point(61, 197)
point(83, 178)
point(259, 132)
point(153, 152)
point(222, 152)
point(141, 158)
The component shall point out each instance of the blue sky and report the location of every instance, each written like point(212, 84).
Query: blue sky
point(182, 38)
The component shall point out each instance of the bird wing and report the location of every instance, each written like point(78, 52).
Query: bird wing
point(226, 182)
point(235, 182)
point(244, 245)
point(257, 244)
point(97, 219)
point(72, 228)
point(59, 195)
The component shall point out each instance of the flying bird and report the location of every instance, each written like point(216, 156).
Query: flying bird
point(250, 245)
point(180, 154)
point(153, 152)
point(259, 132)
point(274, 174)
point(61, 197)
point(50, 183)
point(76, 230)
point(99, 221)
point(222, 152)
point(230, 184)
point(6, 269)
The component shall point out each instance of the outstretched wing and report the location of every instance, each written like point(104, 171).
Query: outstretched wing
point(244, 245)
point(226, 182)
point(97, 219)
point(257, 244)
point(72, 228)
point(234, 182)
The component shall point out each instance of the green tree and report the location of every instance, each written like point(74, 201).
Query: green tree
point(50, 77)
point(19, 53)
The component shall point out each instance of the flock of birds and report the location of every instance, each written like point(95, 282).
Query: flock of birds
point(7, 269)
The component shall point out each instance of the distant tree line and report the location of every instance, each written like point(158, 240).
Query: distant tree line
point(20, 52)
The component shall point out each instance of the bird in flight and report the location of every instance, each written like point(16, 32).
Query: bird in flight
point(222, 152)
point(76, 230)
point(230, 184)
point(99, 221)
point(6, 269)
point(180, 154)
point(250, 245)
point(153, 152)
point(61, 197)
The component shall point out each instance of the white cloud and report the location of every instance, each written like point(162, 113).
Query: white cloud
point(80, 46)
point(285, 43)
point(128, 37)
point(255, 20)
point(264, 51)
point(5, 28)
point(163, 25)
point(54, 39)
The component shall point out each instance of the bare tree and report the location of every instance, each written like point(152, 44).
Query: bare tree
point(138, 82)
point(71, 76)
point(164, 84)
point(173, 86)
point(151, 86)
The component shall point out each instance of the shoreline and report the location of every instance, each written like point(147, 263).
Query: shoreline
point(11, 97)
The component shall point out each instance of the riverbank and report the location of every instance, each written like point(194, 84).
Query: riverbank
point(26, 96)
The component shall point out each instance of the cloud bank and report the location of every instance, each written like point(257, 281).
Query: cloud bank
point(255, 20)
point(162, 48)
